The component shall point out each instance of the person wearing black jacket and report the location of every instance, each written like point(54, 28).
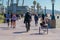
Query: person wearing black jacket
point(27, 21)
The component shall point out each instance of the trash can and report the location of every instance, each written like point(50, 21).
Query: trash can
point(53, 23)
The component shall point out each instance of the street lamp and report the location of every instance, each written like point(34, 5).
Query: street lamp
point(53, 17)
point(53, 21)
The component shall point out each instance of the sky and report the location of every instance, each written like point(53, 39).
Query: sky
point(43, 3)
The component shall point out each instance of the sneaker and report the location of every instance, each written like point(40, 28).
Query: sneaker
point(13, 27)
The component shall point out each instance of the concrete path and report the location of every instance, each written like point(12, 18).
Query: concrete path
point(19, 33)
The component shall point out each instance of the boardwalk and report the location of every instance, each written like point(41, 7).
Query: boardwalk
point(19, 33)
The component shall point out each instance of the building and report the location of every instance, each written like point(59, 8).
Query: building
point(13, 8)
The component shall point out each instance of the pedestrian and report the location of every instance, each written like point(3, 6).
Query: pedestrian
point(42, 20)
point(44, 23)
point(13, 20)
point(7, 18)
point(36, 19)
point(46, 19)
point(27, 21)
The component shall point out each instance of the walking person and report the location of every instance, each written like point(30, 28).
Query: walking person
point(36, 19)
point(27, 21)
point(46, 19)
point(44, 23)
point(7, 18)
point(13, 20)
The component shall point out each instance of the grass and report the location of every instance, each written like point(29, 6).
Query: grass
point(1, 21)
point(1, 18)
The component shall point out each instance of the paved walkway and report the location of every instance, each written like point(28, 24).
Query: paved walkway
point(19, 33)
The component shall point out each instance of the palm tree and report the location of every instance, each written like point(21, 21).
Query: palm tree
point(2, 6)
point(38, 6)
point(8, 5)
point(34, 3)
point(32, 9)
point(17, 2)
point(41, 10)
point(22, 2)
point(8, 2)
point(12, 5)
point(11, 1)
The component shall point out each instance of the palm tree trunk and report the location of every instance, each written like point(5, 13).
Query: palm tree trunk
point(2, 6)
point(8, 5)
point(8, 2)
point(17, 2)
point(23, 3)
point(34, 8)
point(11, 1)
point(12, 5)
point(37, 10)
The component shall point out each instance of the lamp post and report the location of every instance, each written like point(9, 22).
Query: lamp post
point(53, 17)
point(53, 21)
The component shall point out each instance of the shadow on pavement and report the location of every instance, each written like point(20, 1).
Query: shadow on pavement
point(34, 29)
point(19, 32)
point(37, 34)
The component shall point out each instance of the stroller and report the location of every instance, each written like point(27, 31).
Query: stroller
point(43, 27)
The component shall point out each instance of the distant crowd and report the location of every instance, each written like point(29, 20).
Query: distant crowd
point(27, 19)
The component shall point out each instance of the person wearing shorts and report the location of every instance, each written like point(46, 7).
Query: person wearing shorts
point(14, 18)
